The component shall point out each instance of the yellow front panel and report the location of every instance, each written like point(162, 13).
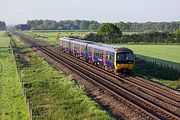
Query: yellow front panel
point(115, 61)
point(128, 66)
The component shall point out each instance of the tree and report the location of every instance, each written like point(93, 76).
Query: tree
point(84, 25)
point(93, 27)
point(121, 25)
point(178, 35)
point(109, 32)
point(93, 37)
point(2, 25)
point(22, 27)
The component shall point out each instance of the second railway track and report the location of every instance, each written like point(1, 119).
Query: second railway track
point(107, 81)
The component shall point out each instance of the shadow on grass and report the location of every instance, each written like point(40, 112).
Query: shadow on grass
point(20, 54)
point(156, 69)
point(160, 61)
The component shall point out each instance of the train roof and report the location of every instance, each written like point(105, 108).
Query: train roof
point(110, 48)
point(78, 40)
point(96, 45)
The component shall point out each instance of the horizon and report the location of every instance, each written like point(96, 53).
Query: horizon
point(95, 20)
point(113, 11)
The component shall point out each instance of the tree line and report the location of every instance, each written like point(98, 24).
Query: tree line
point(110, 33)
point(60, 25)
point(148, 26)
point(93, 25)
point(153, 37)
point(2, 25)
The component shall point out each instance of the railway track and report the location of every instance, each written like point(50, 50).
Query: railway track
point(108, 81)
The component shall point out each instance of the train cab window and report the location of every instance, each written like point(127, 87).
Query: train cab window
point(120, 56)
point(129, 56)
point(124, 57)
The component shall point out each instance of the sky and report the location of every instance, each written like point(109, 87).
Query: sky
point(19, 11)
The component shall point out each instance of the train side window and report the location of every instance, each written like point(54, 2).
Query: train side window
point(83, 48)
point(100, 55)
point(112, 57)
point(89, 49)
point(107, 56)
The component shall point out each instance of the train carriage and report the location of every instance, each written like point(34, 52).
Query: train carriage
point(64, 44)
point(78, 48)
point(100, 55)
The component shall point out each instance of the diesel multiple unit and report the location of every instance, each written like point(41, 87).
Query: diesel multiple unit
point(113, 58)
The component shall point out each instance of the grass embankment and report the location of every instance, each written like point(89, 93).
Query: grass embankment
point(12, 101)
point(52, 95)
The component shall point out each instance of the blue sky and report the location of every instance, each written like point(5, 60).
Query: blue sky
point(19, 11)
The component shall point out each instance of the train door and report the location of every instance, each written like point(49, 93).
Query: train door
point(65, 45)
point(60, 44)
point(104, 57)
point(73, 48)
point(92, 52)
point(80, 51)
point(86, 51)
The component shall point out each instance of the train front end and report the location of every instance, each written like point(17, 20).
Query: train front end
point(124, 61)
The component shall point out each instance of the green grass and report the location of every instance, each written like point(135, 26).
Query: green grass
point(3, 39)
point(52, 95)
point(165, 52)
point(12, 101)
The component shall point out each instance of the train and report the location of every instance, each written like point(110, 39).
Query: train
point(116, 59)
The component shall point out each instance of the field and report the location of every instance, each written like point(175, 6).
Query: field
point(52, 95)
point(167, 54)
point(12, 101)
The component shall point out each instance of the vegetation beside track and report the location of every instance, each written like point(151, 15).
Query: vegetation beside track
point(51, 94)
point(159, 63)
point(12, 101)
point(164, 75)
